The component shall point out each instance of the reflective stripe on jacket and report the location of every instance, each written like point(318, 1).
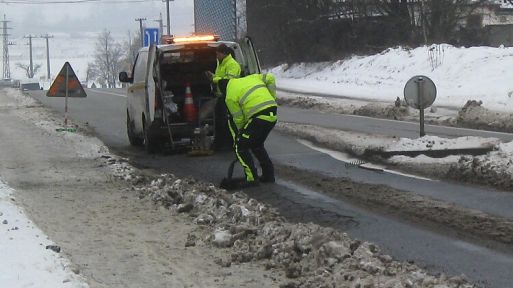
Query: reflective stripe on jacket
point(247, 96)
point(227, 69)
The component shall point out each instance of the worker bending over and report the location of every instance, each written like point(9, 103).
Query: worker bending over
point(251, 102)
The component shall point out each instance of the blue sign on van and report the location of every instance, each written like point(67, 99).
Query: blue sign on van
point(151, 35)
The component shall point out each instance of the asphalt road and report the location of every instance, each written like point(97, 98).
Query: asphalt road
point(104, 111)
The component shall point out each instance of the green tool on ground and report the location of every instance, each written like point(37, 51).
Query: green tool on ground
point(70, 129)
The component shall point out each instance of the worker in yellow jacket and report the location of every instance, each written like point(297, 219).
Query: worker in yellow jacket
point(251, 102)
point(227, 68)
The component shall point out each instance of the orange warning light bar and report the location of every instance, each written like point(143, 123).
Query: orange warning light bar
point(190, 39)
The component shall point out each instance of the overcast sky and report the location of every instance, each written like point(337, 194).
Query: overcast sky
point(117, 16)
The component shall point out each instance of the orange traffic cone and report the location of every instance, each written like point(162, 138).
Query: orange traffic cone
point(189, 110)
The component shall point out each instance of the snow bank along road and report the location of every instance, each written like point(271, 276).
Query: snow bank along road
point(437, 247)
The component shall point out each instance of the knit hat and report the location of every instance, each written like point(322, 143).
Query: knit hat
point(222, 48)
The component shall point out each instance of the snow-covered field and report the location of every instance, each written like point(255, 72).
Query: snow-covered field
point(465, 77)
point(77, 49)
point(460, 74)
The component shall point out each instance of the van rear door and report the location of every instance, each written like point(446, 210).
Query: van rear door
point(150, 84)
point(250, 55)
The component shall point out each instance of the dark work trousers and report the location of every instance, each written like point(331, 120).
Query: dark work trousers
point(251, 139)
point(222, 140)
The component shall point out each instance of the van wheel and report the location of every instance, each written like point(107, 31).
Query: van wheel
point(151, 145)
point(132, 138)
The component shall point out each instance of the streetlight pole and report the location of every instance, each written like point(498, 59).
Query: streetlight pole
point(168, 17)
point(141, 29)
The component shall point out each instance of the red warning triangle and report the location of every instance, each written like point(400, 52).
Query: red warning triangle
point(58, 88)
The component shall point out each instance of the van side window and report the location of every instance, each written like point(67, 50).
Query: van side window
point(140, 67)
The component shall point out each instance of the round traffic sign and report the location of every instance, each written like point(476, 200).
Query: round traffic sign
point(420, 92)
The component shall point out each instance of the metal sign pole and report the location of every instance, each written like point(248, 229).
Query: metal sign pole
point(66, 101)
point(420, 86)
point(420, 93)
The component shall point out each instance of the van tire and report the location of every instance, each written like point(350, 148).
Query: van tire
point(151, 145)
point(132, 138)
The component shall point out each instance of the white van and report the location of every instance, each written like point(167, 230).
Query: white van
point(159, 78)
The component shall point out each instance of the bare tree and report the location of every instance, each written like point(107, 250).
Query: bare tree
point(132, 46)
point(438, 20)
point(444, 16)
point(26, 68)
point(108, 60)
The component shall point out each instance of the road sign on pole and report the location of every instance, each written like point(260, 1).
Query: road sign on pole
point(66, 85)
point(151, 35)
point(420, 93)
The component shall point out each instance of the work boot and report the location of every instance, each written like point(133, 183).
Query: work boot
point(237, 183)
point(267, 179)
point(267, 173)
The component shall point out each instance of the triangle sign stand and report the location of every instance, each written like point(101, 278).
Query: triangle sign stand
point(66, 84)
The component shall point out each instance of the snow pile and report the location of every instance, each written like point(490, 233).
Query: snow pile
point(88, 147)
point(15, 99)
point(474, 115)
point(26, 259)
point(438, 143)
point(309, 255)
point(455, 71)
point(494, 169)
point(353, 143)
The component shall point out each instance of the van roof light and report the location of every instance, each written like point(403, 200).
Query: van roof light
point(189, 39)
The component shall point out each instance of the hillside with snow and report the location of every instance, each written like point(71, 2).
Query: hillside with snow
point(460, 74)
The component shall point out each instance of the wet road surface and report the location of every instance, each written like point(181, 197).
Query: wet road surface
point(429, 248)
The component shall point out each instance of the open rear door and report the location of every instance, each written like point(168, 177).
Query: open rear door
point(251, 56)
point(150, 83)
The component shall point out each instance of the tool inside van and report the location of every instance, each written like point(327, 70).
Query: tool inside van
point(187, 96)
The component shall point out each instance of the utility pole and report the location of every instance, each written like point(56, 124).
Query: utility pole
point(168, 17)
point(47, 54)
point(161, 25)
point(31, 68)
point(7, 69)
point(141, 29)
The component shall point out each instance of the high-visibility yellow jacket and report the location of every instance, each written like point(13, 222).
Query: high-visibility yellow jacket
point(249, 95)
point(227, 69)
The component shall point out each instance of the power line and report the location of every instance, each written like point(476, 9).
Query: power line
point(47, 37)
point(31, 65)
point(31, 2)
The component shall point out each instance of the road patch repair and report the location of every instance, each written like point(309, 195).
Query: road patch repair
point(192, 225)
